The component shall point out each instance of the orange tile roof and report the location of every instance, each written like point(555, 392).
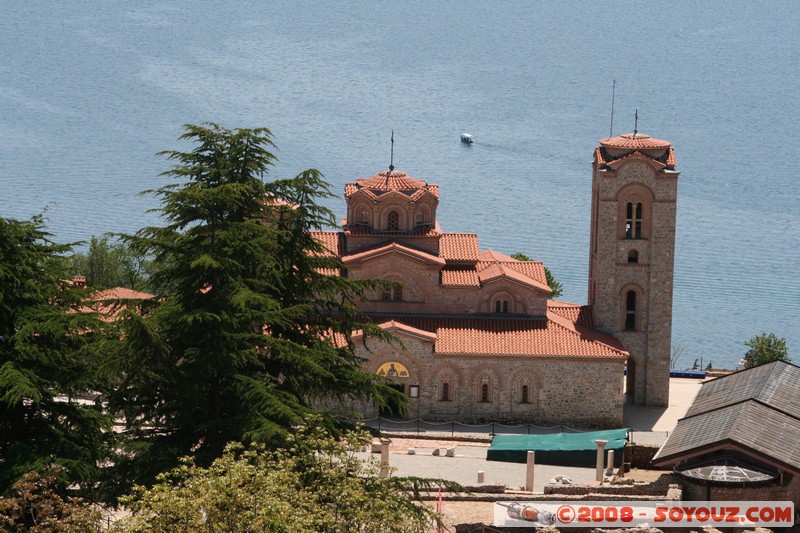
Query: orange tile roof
point(638, 141)
point(599, 157)
point(333, 241)
point(109, 302)
point(635, 155)
point(510, 336)
point(490, 271)
point(460, 278)
point(394, 248)
point(459, 247)
point(577, 314)
point(491, 255)
point(394, 181)
point(671, 161)
point(395, 326)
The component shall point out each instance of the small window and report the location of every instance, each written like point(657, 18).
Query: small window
point(485, 393)
point(525, 398)
point(394, 221)
point(445, 392)
point(387, 295)
point(630, 311)
point(501, 306)
point(633, 256)
point(397, 294)
point(365, 217)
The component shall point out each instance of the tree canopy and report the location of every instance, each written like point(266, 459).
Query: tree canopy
point(109, 264)
point(765, 348)
point(248, 333)
point(555, 285)
point(45, 362)
point(315, 484)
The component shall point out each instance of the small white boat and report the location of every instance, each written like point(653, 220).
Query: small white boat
point(466, 138)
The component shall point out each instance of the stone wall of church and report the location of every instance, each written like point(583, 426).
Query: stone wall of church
point(472, 389)
point(425, 294)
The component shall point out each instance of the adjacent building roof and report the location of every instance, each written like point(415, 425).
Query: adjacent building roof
point(459, 247)
point(579, 314)
point(635, 141)
point(509, 336)
point(755, 412)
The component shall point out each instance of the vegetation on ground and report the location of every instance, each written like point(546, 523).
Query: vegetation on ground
point(315, 484)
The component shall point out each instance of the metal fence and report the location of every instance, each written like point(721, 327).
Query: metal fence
point(419, 426)
point(452, 428)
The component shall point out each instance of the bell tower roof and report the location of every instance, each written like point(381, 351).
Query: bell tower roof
point(635, 141)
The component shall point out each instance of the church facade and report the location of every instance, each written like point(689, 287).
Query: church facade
point(479, 338)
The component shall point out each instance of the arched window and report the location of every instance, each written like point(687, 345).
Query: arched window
point(525, 395)
point(445, 392)
point(633, 256)
point(484, 392)
point(633, 221)
point(365, 217)
point(394, 221)
point(630, 311)
point(501, 306)
point(395, 294)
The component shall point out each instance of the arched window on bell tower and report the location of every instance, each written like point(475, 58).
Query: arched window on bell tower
point(630, 311)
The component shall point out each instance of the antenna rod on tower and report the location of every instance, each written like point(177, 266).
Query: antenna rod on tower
point(636, 123)
point(391, 160)
point(613, 93)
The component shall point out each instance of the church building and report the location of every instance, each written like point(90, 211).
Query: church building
point(479, 338)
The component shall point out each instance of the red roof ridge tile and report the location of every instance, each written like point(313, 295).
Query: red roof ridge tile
point(391, 248)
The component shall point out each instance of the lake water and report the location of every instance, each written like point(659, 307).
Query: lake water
point(89, 92)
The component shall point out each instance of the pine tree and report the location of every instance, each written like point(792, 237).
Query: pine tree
point(248, 332)
point(45, 361)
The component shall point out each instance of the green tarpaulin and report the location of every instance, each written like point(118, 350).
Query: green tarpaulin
point(577, 449)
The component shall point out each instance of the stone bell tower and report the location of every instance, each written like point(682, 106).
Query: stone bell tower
point(631, 265)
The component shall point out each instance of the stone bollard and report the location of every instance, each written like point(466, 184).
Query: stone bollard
point(436, 452)
point(451, 452)
point(480, 476)
point(529, 471)
point(610, 463)
point(384, 458)
point(599, 472)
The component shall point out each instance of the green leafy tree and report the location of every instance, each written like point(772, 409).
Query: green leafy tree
point(765, 348)
point(36, 505)
point(248, 333)
point(108, 264)
point(555, 285)
point(315, 484)
point(45, 362)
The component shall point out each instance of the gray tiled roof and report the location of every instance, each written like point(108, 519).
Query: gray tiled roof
point(756, 409)
point(775, 384)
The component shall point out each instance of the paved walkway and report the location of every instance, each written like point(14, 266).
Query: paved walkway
point(650, 425)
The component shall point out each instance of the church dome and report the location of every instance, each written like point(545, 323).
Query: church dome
point(634, 141)
point(391, 180)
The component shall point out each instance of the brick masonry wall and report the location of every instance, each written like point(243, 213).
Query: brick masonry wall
point(575, 392)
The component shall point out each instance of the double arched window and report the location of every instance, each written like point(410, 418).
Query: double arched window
point(633, 220)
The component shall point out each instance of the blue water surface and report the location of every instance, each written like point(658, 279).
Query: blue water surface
point(90, 91)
